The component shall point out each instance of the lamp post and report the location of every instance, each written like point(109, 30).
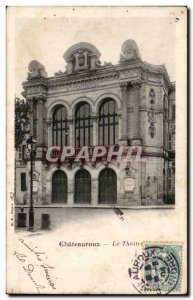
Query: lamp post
point(31, 145)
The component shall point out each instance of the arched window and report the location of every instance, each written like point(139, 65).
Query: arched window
point(60, 127)
point(59, 187)
point(108, 123)
point(83, 125)
point(107, 186)
point(82, 186)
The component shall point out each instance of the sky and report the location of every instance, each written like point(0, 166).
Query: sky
point(47, 38)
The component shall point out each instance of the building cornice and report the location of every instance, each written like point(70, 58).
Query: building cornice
point(129, 71)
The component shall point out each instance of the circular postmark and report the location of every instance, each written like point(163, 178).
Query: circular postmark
point(155, 271)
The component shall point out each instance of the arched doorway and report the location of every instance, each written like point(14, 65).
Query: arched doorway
point(107, 186)
point(82, 186)
point(59, 187)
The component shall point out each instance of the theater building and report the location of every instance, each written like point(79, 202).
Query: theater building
point(131, 103)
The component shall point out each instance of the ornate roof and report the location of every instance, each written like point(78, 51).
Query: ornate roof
point(80, 46)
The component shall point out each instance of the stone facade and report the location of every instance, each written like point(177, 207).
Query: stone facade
point(145, 108)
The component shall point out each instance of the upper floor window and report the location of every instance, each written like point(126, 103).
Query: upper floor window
point(60, 127)
point(108, 123)
point(83, 125)
point(22, 150)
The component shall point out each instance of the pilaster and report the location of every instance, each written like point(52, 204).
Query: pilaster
point(95, 129)
point(40, 121)
point(71, 130)
point(124, 125)
point(136, 139)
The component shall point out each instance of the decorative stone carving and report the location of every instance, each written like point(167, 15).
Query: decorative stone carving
point(82, 56)
point(36, 70)
point(130, 74)
point(136, 84)
point(129, 172)
point(124, 85)
point(152, 98)
point(172, 129)
point(36, 175)
point(130, 51)
point(152, 121)
point(129, 179)
point(108, 64)
point(58, 73)
point(129, 184)
point(93, 164)
point(151, 114)
point(48, 122)
point(69, 165)
point(20, 163)
point(46, 165)
point(94, 116)
point(104, 161)
point(34, 93)
point(165, 110)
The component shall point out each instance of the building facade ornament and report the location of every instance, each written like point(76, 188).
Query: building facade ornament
point(152, 121)
point(130, 51)
point(124, 85)
point(80, 57)
point(36, 70)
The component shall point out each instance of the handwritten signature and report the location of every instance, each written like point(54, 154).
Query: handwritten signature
point(37, 254)
point(29, 268)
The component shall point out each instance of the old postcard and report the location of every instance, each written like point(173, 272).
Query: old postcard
point(97, 150)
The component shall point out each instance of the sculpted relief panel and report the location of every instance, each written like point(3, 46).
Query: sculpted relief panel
point(80, 57)
point(130, 51)
point(36, 70)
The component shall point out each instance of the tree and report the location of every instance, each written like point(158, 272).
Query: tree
point(21, 120)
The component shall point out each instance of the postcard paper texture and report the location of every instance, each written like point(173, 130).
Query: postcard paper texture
point(96, 150)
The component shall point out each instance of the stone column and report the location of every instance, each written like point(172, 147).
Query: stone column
point(35, 120)
point(124, 127)
point(143, 179)
point(95, 129)
point(94, 195)
point(93, 60)
point(136, 117)
point(120, 125)
point(44, 173)
point(48, 191)
point(31, 111)
point(48, 139)
point(40, 122)
point(71, 131)
point(69, 66)
point(70, 200)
